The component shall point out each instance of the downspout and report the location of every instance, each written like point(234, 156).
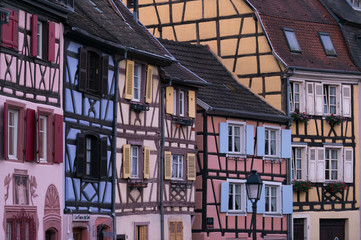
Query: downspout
point(114, 142)
point(162, 97)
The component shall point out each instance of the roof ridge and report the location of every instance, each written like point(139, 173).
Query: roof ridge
point(297, 20)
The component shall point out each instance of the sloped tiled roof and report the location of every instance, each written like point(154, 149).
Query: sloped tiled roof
point(307, 18)
point(113, 22)
point(223, 93)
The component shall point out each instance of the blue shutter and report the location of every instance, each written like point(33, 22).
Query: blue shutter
point(287, 199)
point(286, 143)
point(260, 141)
point(224, 196)
point(249, 140)
point(223, 137)
point(262, 201)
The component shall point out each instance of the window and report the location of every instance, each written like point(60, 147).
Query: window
point(235, 138)
point(93, 72)
point(42, 39)
point(13, 133)
point(292, 40)
point(135, 161)
point(177, 167)
point(356, 4)
point(43, 132)
point(179, 103)
point(91, 156)
point(331, 164)
point(20, 227)
point(330, 99)
point(141, 231)
point(271, 142)
point(272, 199)
point(295, 96)
point(299, 163)
point(137, 82)
point(236, 197)
point(327, 44)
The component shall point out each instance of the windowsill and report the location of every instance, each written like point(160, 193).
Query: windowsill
point(272, 158)
point(236, 155)
point(236, 213)
point(273, 215)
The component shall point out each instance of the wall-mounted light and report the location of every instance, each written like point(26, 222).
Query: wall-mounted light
point(4, 15)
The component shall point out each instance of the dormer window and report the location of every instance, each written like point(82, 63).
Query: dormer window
point(356, 4)
point(327, 44)
point(292, 40)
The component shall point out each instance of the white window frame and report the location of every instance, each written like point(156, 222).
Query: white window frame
point(137, 81)
point(242, 135)
point(243, 209)
point(340, 162)
point(326, 97)
point(134, 161)
point(278, 141)
point(44, 132)
point(304, 162)
point(15, 127)
point(292, 96)
point(181, 103)
point(179, 166)
point(40, 39)
point(278, 187)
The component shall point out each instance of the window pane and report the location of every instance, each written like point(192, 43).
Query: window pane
point(327, 44)
point(292, 40)
point(134, 166)
point(267, 199)
point(266, 143)
point(230, 139)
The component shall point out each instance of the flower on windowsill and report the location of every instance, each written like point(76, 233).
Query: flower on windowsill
point(300, 116)
point(336, 187)
point(334, 120)
point(301, 186)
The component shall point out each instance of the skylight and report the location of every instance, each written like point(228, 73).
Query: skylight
point(292, 40)
point(327, 44)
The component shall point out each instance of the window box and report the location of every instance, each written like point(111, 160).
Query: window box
point(183, 121)
point(336, 187)
point(137, 183)
point(334, 120)
point(301, 186)
point(300, 116)
point(139, 107)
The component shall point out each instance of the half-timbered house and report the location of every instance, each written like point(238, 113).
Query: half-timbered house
point(31, 131)
point(293, 54)
point(236, 132)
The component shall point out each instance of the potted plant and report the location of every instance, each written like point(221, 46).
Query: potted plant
point(334, 120)
point(300, 116)
point(301, 186)
point(336, 187)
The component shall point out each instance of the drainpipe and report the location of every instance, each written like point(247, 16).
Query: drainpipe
point(162, 97)
point(114, 142)
point(135, 9)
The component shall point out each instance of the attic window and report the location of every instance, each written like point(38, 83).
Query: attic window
point(356, 4)
point(292, 40)
point(327, 44)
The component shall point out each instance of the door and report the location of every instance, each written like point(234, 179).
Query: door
point(176, 231)
point(299, 229)
point(77, 234)
point(332, 229)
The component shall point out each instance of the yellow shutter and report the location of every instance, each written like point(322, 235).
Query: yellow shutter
point(167, 165)
point(191, 166)
point(191, 104)
point(129, 77)
point(148, 92)
point(169, 100)
point(146, 157)
point(126, 161)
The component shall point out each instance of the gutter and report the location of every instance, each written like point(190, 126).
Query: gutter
point(114, 141)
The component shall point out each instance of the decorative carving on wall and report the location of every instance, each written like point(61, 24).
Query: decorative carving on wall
point(7, 181)
point(52, 203)
point(33, 185)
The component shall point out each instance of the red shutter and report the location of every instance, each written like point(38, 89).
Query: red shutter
point(34, 36)
point(6, 138)
point(30, 135)
point(58, 138)
point(51, 43)
point(10, 31)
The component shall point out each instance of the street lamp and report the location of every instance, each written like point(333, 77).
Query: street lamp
point(254, 188)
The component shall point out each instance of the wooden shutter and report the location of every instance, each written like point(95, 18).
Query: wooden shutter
point(6, 131)
point(320, 174)
point(10, 31)
point(129, 78)
point(104, 81)
point(191, 104)
point(34, 35)
point(348, 165)
point(146, 160)
point(223, 137)
point(318, 99)
point(80, 155)
point(310, 99)
point(103, 157)
point(30, 135)
point(191, 166)
point(179, 231)
point(312, 164)
point(148, 91)
point(58, 138)
point(126, 161)
point(83, 72)
point(287, 199)
point(346, 100)
point(260, 141)
point(286, 149)
point(169, 100)
point(167, 165)
point(249, 140)
point(51, 41)
point(224, 196)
